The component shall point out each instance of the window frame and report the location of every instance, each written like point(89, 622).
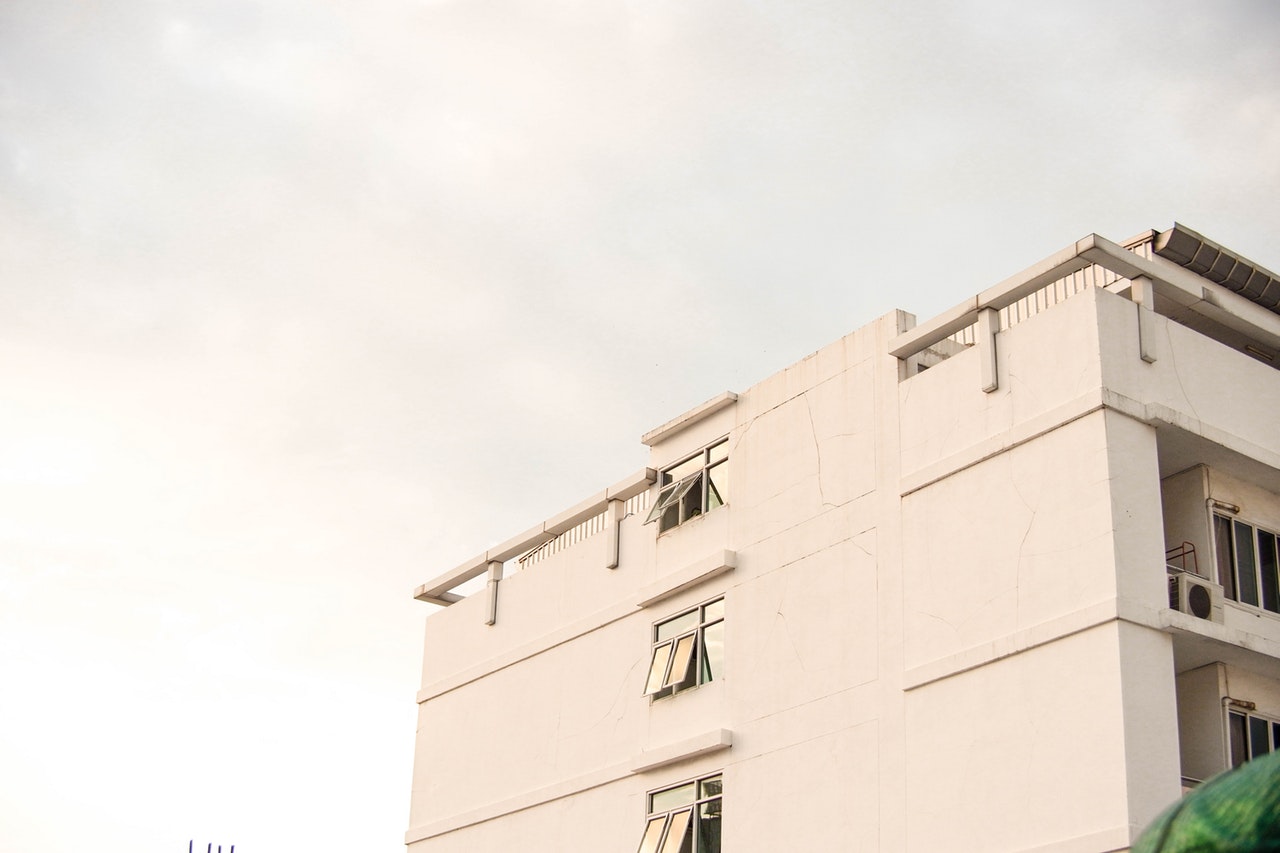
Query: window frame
point(678, 828)
point(684, 496)
point(682, 660)
point(1248, 572)
point(1241, 745)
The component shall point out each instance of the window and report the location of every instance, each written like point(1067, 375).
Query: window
point(687, 650)
point(1247, 563)
point(1250, 736)
point(689, 488)
point(684, 819)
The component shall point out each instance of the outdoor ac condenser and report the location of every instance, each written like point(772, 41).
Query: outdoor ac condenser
point(1195, 595)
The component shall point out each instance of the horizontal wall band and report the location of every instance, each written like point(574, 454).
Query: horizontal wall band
point(1155, 414)
point(706, 743)
point(1113, 840)
point(520, 802)
point(1029, 638)
point(672, 584)
point(988, 448)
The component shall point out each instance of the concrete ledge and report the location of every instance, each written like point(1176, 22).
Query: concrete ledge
point(520, 802)
point(688, 419)
point(1111, 840)
point(1028, 430)
point(651, 759)
point(703, 744)
point(1078, 621)
point(1015, 643)
point(1184, 623)
point(1155, 414)
point(687, 577)
point(548, 641)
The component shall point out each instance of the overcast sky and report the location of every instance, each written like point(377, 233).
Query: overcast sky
point(303, 303)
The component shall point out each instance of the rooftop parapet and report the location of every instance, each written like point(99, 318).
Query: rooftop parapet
point(440, 590)
point(1154, 282)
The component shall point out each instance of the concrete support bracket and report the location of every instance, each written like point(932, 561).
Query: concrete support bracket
point(1143, 294)
point(616, 511)
point(495, 576)
point(988, 325)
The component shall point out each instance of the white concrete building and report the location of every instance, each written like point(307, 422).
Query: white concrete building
point(1002, 580)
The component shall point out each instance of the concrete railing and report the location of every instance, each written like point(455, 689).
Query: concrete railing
point(593, 525)
point(611, 504)
point(1092, 261)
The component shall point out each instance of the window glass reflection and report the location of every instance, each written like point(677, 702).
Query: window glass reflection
point(677, 626)
point(671, 798)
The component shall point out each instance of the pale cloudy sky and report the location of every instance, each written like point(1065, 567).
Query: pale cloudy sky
point(302, 303)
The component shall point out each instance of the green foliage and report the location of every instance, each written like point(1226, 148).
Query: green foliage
point(1236, 812)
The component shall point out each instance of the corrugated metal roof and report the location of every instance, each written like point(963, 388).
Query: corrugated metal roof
point(1218, 264)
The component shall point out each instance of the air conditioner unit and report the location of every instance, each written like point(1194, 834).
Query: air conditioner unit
point(1195, 595)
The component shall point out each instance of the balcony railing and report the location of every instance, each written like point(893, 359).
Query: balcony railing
point(1062, 289)
point(585, 530)
point(570, 527)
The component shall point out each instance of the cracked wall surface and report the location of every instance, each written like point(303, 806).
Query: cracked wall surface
point(942, 610)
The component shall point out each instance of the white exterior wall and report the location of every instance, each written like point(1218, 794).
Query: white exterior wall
point(947, 622)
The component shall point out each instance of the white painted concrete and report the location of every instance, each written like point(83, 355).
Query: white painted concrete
point(947, 623)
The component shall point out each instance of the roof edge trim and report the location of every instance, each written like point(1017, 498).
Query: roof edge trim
point(688, 419)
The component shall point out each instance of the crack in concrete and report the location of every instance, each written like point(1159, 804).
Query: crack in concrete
point(617, 696)
point(795, 650)
point(817, 450)
point(1177, 375)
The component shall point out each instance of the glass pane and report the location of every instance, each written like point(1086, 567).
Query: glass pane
point(718, 489)
point(682, 624)
point(681, 663)
point(684, 469)
point(663, 500)
point(675, 501)
point(671, 495)
point(1222, 544)
point(652, 834)
point(657, 668)
point(717, 452)
point(1246, 568)
point(713, 652)
point(1267, 568)
point(1235, 732)
point(672, 798)
point(670, 518)
point(712, 787)
point(691, 503)
point(1259, 743)
point(709, 827)
point(713, 611)
point(1275, 735)
point(678, 838)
